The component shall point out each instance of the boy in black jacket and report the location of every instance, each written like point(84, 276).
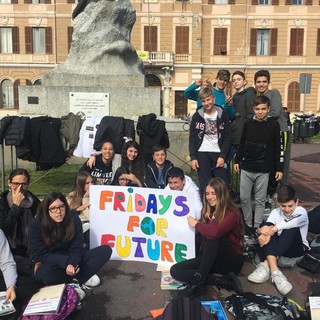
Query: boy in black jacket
point(258, 154)
point(209, 140)
point(156, 170)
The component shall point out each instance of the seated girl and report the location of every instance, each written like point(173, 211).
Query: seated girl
point(56, 243)
point(103, 166)
point(221, 229)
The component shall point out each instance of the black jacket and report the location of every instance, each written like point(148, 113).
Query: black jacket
point(152, 172)
point(197, 129)
point(260, 147)
point(243, 110)
point(151, 132)
point(11, 221)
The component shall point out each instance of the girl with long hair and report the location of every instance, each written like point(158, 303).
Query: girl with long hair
point(78, 198)
point(132, 160)
point(221, 252)
point(56, 243)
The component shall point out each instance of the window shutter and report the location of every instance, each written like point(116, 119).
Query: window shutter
point(182, 40)
point(275, 2)
point(318, 43)
point(231, 1)
point(27, 1)
point(293, 42)
point(288, 2)
point(70, 32)
point(150, 38)
point(14, 1)
point(254, 2)
point(28, 82)
point(216, 41)
point(28, 32)
point(70, 1)
point(16, 93)
point(211, 1)
point(300, 42)
point(273, 42)
point(253, 42)
point(48, 40)
point(47, 1)
point(15, 40)
point(309, 2)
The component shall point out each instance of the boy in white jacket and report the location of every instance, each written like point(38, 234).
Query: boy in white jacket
point(284, 234)
point(177, 180)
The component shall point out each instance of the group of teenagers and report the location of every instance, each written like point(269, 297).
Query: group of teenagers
point(42, 242)
point(250, 130)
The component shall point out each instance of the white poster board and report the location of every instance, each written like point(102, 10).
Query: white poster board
point(142, 224)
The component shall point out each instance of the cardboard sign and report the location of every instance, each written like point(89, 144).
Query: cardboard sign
point(142, 224)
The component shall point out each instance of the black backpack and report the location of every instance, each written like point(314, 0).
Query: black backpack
point(311, 259)
point(184, 309)
point(314, 220)
point(255, 306)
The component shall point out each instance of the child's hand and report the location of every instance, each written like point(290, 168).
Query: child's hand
point(194, 165)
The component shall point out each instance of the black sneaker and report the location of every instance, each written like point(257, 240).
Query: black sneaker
point(195, 287)
point(229, 282)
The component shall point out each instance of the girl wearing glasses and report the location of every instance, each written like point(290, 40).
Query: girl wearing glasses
point(18, 206)
point(56, 243)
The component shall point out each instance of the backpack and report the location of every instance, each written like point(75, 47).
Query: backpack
point(184, 309)
point(311, 259)
point(68, 304)
point(255, 306)
point(314, 220)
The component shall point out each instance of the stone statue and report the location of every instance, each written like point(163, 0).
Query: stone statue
point(101, 40)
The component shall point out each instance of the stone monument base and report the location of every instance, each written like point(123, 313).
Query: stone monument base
point(124, 101)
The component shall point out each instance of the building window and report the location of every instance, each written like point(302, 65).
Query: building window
point(220, 41)
point(38, 1)
point(6, 40)
point(39, 40)
point(318, 42)
point(182, 40)
point(296, 42)
point(6, 94)
point(299, 2)
point(263, 42)
point(5, 1)
point(265, 2)
point(150, 38)
point(9, 40)
point(293, 96)
point(37, 82)
point(221, 1)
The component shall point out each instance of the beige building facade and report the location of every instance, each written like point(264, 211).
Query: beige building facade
point(179, 42)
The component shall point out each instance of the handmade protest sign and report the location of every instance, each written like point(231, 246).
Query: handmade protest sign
point(142, 224)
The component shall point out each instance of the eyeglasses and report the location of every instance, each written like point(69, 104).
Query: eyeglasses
point(55, 209)
point(17, 184)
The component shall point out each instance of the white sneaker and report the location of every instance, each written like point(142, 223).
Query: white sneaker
point(261, 274)
point(281, 282)
point(76, 286)
point(93, 281)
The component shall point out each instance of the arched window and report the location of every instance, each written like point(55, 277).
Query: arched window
point(293, 96)
point(6, 91)
point(153, 80)
point(37, 82)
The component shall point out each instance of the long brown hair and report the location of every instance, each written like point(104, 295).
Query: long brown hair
point(76, 195)
point(52, 231)
point(224, 201)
